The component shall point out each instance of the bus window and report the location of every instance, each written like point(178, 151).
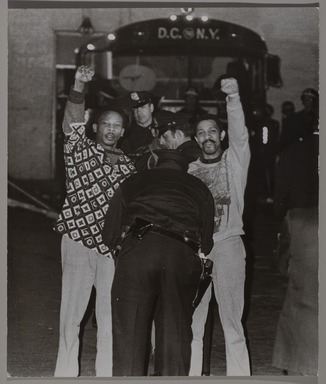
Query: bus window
point(273, 72)
point(101, 62)
point(168, 76)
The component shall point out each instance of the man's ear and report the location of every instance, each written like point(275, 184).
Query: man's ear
point(94, 126)
point(223, 133)
point(196, 139)
point(151, 106)
point(122, 132)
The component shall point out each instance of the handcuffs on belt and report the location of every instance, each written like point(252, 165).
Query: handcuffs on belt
point(141, 227)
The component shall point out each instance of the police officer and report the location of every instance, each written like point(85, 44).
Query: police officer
point(175, 131)
point(169, 214)
point(140, 139)
point(301, 124)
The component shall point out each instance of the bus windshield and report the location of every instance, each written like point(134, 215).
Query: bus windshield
point(166, 57)
point(168, 76)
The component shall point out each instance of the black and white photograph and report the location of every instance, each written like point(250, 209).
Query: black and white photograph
point(163, 190)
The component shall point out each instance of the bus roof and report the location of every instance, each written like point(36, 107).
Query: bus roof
point(165, 36)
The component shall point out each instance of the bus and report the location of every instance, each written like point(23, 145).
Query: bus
point(165, 56)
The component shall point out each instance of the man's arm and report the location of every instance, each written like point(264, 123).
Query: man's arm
point(75, 106)
point(237, 130)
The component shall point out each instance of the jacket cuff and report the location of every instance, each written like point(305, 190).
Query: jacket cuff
point(76, 97)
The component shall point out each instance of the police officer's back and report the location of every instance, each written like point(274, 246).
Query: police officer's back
point(166, 196)
point(158, 268)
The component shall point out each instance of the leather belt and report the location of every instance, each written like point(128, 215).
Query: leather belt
point(186, 240)
point(141, 227)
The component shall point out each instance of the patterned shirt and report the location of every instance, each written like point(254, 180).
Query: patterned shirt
point(91, 182)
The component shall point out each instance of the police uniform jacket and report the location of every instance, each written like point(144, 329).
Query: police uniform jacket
point(166, 197)
point(136, 137)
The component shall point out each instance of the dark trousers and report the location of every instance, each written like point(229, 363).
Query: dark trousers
point(158, 275)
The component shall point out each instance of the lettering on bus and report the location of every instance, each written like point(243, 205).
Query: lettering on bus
point(189, 33)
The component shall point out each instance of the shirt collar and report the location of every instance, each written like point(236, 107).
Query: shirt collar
point(211, 161)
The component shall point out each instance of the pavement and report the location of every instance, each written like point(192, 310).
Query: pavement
point(34, 288)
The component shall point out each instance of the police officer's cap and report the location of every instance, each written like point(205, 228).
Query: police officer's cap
point(167, 120)
point(140, 98)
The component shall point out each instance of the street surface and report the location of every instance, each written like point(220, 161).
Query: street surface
point(34, 287)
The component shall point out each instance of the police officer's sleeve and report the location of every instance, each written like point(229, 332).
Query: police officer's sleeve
point(113, 221)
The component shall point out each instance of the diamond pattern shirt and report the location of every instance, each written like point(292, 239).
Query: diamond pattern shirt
point(91, 182)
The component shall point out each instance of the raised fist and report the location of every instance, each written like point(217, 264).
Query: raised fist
point(229, 86)
point(84, 74)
